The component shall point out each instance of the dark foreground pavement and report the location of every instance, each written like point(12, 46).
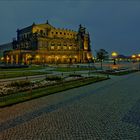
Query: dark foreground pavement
point(108, 110)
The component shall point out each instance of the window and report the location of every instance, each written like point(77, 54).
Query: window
point(52, 47)
point(60, 32)
point(58, 47)
point(65, 47)
point(56, 32)
point(52, 44)
point(41, 31)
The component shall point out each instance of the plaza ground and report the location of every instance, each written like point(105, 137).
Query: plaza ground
point(100, 111)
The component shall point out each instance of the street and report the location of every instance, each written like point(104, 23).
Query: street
point(101, 111)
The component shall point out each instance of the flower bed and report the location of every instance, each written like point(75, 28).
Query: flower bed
point(53, 88)
point(26, 85)
point(19, 86)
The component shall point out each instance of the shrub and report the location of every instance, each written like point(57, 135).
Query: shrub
point(75, 75)
point(53, 78)
point(20, 83)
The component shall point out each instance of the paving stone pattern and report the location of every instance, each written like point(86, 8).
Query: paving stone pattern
point(109, 110)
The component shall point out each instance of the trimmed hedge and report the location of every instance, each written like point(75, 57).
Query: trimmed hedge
point(53, 78)
point(20, 83)
point(75, 75)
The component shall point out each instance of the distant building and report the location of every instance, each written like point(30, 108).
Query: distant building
point(121, 57)
point(5, 47)
point(43, 43)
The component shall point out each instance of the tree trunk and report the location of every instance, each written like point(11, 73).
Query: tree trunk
point(101, 65)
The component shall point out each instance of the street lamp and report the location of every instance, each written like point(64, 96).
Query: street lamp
point(37, 57)
point(133, 57)
point(114, 56)
point(2, 58)
point(139, 60)
point(89, 65)
point(29, 57)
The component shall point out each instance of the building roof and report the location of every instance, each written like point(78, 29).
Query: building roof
point(26, 29)
point(29, 28)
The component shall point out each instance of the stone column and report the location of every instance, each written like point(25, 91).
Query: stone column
point(12, 59)
point(23, 59)
point(17, 59)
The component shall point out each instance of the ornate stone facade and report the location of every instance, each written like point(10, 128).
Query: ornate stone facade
point(43, 43)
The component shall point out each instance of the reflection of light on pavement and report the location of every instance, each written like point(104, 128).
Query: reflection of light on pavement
point(121, 65)
point(114, 66)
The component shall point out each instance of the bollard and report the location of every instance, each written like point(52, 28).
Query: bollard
point(107, 75)
point(26, 77)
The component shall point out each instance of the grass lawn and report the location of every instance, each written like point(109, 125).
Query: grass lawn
point(31, 94)
point(13, 74)
point(67, 69)
point(23, 69)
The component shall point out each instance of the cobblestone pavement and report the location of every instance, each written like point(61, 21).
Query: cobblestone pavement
point(108, 110)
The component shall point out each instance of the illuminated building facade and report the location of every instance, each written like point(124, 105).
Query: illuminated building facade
point(43, 43)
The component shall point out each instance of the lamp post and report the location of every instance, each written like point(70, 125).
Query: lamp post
point(133, 59)
point(89, 61)
point(114, 56)
point(29, 58)
point(139, 61)
point(2, 59)
point(37, 57)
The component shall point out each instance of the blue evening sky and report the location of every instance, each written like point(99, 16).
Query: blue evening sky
point(114, 25)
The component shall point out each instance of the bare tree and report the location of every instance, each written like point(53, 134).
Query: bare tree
point(101, 55)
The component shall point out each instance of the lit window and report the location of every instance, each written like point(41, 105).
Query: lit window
point(52, 47)
point(58, 47)
point(65, 47)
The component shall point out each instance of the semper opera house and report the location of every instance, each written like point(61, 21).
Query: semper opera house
point(45, 44)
